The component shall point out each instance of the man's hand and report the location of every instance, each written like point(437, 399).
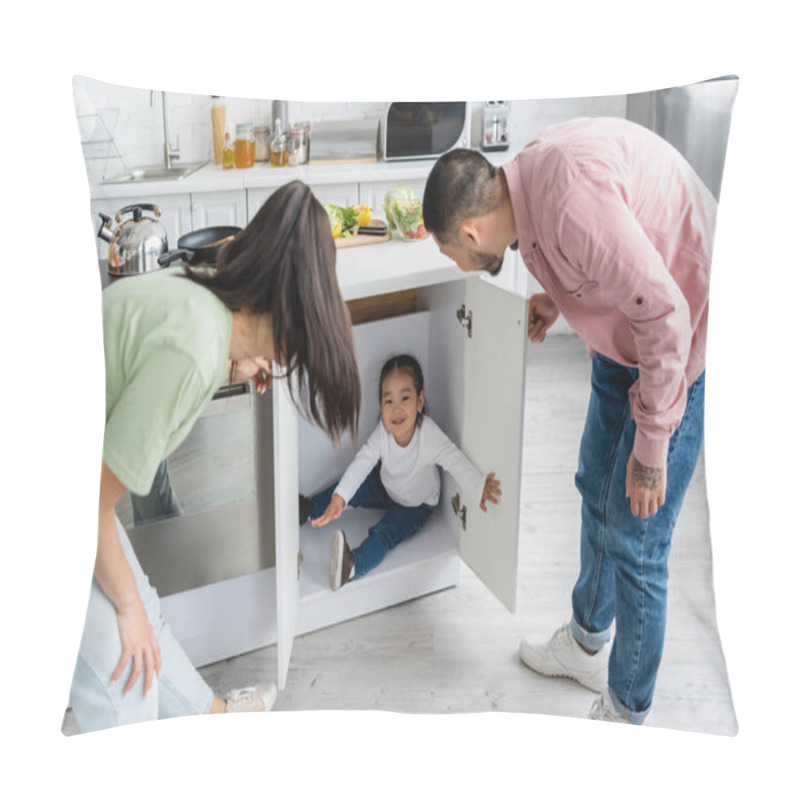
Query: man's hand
point(542, 313)
point(645, 487)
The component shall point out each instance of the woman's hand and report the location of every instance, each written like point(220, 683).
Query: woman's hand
point(645, 487)
point(542, 313)
point(138, 645)
point(115, 577)
point(491, 491)
point(256, 369)
point(333, 511)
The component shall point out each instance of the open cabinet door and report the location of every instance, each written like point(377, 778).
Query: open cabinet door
point(494, 386)
point(287, 531)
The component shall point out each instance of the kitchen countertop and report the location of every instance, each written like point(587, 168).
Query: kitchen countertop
point(363, 271)
point(212, 178)
point(374, 269)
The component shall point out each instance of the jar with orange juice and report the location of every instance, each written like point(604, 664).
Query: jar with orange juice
point(245, 148)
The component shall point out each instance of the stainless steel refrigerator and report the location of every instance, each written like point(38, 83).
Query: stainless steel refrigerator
point(695, 119)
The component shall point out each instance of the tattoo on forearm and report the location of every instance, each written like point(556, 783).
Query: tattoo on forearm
point(646, 477)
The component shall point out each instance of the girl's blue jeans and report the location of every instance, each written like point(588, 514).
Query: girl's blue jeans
point(396, 525)
point(623, 559)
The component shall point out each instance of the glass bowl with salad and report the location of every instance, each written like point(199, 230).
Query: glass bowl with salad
point(404, 213)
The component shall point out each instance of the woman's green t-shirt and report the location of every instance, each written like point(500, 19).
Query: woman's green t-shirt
point(167, 344)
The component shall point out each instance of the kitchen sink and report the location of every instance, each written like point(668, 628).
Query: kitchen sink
point(156, 172)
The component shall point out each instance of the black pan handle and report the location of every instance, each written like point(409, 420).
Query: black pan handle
point(173, 255)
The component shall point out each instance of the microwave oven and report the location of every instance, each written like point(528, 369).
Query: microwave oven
point(424, 130)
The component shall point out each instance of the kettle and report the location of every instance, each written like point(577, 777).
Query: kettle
point(135, 245)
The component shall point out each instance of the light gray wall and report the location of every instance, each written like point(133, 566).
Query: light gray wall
point(134, 117)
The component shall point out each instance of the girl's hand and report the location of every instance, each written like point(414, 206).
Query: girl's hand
point(139, 645)
point(333, 511)
point(542, 313)
point(491, 491)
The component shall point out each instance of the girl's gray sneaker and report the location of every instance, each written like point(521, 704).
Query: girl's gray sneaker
point(253, 698)
point(342, 561)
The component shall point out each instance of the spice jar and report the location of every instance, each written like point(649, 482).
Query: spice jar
point(245, 150)
point(298, 144)
point(261, 135)
point(278, 155)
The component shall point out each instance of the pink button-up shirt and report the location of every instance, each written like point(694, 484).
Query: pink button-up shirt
point(618, 229)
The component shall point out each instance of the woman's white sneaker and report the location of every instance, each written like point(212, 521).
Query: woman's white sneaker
point(253, 698)
point(561, 656)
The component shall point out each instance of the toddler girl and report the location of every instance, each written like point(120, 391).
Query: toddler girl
point(396, 469)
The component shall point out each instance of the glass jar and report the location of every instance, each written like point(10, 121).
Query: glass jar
point(228, 160)
point(298, 144)
point(218, 127)
point(245, 150)
point(278, 155)
point(261, 136)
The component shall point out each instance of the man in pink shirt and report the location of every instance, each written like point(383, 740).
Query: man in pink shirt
point(618, 230)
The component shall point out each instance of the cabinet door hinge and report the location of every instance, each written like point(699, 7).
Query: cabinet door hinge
point(465, 318)
point(460, 511)
point(299, 562)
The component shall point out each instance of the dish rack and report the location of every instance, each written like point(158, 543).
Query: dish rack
point(99, 143)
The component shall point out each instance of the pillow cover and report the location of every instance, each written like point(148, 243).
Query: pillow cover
point(438, 651)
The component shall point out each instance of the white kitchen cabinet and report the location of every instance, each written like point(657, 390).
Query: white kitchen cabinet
point(211, 209)
point(469, 336)
point(175, 215)
point(340, 194)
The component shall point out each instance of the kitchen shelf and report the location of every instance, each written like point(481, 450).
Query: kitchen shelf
point(100, 144)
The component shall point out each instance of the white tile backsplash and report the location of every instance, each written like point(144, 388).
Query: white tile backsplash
point(139, 134)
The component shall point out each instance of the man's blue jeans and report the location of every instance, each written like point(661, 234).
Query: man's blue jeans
point(397, 524)
point(623, 559)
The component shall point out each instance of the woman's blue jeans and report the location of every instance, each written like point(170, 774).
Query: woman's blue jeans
point(623, 559)
point(97, 703)
point(396, 525)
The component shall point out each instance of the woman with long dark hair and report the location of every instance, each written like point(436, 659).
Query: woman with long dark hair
point(171, 339)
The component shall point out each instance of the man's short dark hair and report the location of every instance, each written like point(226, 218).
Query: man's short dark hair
point(460, 185)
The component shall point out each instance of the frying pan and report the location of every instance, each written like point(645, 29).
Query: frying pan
point(200, 246)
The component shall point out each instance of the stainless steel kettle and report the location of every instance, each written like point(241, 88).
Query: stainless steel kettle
point(135, 245)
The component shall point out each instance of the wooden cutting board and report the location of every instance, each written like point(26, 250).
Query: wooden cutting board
point(363, 238)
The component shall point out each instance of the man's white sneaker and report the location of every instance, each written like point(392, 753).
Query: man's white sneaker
point(253, 698)
point(603, 709)
point(562, 657)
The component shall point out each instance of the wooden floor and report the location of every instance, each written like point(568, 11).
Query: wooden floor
point(456, 651)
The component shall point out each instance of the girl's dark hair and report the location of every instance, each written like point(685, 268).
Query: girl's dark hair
point(284, 263)
point(409, 364)
point(461, 185)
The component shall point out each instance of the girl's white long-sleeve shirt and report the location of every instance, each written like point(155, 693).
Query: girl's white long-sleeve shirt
point(409, 474)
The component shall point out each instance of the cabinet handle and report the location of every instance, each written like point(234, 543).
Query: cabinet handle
point(460, 511)
point(465, 318)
